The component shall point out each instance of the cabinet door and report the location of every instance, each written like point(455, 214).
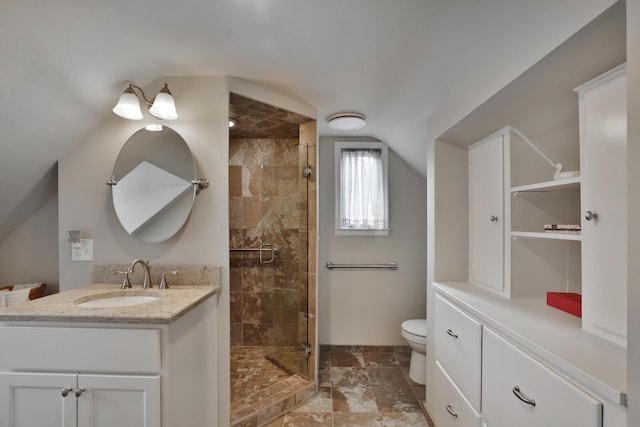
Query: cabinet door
point(486, 210)
point(123, 401)
point(603, 145)
point(36, 399)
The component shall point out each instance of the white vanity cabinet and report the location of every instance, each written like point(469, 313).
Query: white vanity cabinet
point(72, 400)
point(156, 373)
point(520, 363)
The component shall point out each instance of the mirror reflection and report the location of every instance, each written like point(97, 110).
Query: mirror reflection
point(152, 184)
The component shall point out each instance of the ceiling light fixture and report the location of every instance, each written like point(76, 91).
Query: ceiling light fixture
point(162, 106)
point(346, 121)
point(232, 122)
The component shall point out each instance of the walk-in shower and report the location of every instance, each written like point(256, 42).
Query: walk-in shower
point(269, 179)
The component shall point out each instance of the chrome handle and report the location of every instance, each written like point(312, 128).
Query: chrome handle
point(589, 215)
point(163, 280)
point(65, 391)
point(520, 395)
point(451, 333)
point(493, 218)
point(125, 282)
point(449, 409)
point(268, 247)
point(79, 391)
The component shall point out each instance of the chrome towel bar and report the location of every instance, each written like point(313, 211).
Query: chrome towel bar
point(391, 266)
point(270, 247)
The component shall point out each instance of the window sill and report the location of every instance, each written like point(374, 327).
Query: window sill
point(361, 232)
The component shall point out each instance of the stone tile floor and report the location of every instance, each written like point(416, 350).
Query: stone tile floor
point(262, 390)
point(361, 386)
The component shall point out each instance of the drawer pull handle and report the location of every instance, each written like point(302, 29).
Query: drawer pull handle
point(65, 391)
point(451, 333)
point(520, 395)
point(449, 409)
point(79, 391)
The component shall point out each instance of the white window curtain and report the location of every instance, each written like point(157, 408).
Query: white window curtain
point(362, 189)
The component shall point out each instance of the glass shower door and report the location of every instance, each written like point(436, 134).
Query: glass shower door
point(286, 226)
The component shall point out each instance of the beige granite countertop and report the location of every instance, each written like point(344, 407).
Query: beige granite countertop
point(62, 307)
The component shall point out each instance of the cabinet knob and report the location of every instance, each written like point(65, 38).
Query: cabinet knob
point(589, 215)
point(451, 333)
point(79, 391)
point(66, 390)
point(523, 397)
point(493, 218)
point(449, 409)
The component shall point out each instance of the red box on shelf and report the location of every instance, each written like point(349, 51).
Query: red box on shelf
point(566, 301)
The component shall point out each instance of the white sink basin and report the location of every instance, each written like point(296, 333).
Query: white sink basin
point(116, 300)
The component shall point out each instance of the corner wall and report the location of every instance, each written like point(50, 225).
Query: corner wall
point(367, 307)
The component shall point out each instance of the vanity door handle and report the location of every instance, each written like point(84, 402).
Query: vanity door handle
point(523, 397)
point(79, 391)
point(493, 218)
point(66, 390)
point(449, 409)
point(451, 333)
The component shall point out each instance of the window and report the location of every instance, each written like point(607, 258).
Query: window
point(361, 189)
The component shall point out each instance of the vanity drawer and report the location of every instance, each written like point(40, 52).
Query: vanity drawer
point(458, 341)
point(80, 349)
point(553, 401)
point(451, 408)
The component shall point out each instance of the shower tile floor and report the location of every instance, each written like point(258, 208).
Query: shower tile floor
point(361, 386)
point(262, 390)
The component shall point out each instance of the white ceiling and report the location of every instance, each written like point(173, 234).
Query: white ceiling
point(400, 62)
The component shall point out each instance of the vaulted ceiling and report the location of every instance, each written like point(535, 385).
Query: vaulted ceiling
point(402, 63)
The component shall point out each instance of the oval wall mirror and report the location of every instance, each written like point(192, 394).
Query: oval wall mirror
point(153, 184)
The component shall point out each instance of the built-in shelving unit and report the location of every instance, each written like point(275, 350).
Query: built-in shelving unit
point(570, 186)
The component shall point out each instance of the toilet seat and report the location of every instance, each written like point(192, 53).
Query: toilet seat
point(415, 329)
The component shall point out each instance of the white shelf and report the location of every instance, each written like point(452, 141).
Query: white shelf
point(560, 185)
point(541, 235)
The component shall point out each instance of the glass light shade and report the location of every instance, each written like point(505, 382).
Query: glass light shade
point(128, 106)
point(164, 107)
point(346, 121)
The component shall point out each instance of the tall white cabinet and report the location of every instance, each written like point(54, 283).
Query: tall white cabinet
point(603, 150)
point(487, 177)
point(502, 356)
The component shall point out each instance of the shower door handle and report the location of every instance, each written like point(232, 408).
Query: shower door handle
point(268, 247)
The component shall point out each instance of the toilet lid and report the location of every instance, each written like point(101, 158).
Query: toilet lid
point(416, 327)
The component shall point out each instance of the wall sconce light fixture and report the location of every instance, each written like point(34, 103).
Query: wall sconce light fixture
point(162, 106)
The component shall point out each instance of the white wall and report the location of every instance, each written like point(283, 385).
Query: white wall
point(366, 307)
point(29, 253)
point(633, 135)
point(85, 199)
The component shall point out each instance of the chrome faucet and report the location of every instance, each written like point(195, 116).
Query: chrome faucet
point(147, 274)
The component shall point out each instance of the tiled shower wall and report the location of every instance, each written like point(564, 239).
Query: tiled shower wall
point(268, 204)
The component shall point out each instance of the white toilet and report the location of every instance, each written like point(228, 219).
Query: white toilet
point(415, 332)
